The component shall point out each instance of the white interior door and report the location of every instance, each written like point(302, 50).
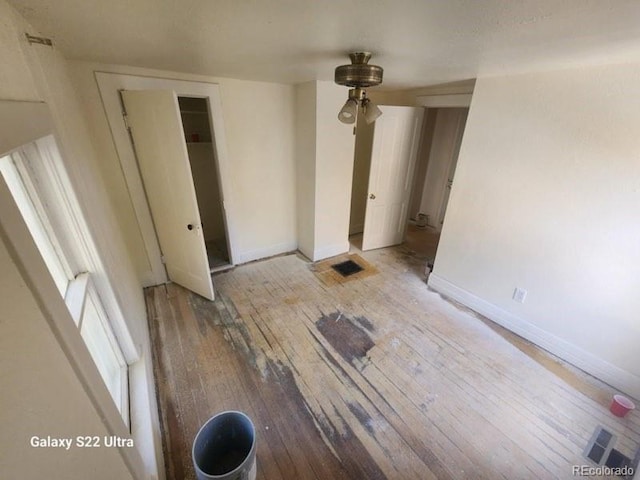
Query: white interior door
point(393, 158)
point(156, 128)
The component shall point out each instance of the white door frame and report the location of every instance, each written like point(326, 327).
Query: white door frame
point(445, 101)
point(452, 100)
point(109, 85)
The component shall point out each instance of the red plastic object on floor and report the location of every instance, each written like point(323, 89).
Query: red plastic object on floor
point(620, 406)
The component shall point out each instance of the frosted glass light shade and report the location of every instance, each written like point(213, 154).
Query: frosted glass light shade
point(349, 112)
point(371, 112)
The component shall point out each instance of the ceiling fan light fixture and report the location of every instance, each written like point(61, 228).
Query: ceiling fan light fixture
point(358, 75)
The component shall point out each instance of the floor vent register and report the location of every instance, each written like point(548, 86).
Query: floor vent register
point(347, 268)
point(601, 452)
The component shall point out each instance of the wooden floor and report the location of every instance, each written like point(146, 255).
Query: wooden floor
point(217, 254)
point(372, 378)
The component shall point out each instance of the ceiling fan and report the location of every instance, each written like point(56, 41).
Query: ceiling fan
point(359, 75)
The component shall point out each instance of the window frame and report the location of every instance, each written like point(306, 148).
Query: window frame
point(73, 227)
point(65, 256)
point(23, 122)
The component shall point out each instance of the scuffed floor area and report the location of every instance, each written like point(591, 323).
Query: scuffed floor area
point(372, 378)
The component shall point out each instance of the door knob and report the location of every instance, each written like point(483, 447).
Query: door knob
point(372, 196)
point(190, 226)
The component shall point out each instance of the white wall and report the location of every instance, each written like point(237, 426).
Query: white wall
point(324, 153)
point(546, 199)
point(16, 81)
point(305, 148)
point(335, 144)
point(259, 123)
point(40, 73)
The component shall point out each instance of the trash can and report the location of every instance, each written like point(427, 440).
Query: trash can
point(422, 220)
point(225, 448)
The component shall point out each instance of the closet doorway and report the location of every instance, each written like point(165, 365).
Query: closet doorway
point(177, 175)
point(204, 170)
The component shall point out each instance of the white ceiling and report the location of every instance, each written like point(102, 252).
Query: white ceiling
point(418, 42)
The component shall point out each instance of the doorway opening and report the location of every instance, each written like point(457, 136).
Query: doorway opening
point(431, 180)
point(434, 175)
point(195, 115)
point(159, 175)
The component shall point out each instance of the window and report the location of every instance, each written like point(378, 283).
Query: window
point(105, 351)
point(36, 220)
point(53, 224)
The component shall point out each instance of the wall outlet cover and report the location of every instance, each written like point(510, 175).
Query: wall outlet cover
point(519, 295)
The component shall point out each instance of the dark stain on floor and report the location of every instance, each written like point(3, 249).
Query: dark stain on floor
point(346, 335)
point(362, 416)
point(353, 455)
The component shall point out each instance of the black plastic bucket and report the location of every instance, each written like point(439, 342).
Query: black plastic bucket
point(225, 448)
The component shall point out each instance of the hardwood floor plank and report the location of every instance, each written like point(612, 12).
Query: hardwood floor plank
point(371, 378)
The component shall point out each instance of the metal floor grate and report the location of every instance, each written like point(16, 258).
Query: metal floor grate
point(601, 452)
point(600, 445)
point(347, 268)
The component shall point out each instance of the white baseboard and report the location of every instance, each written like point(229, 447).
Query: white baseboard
point(330, 251)
point(615, 376)
point(270, 251)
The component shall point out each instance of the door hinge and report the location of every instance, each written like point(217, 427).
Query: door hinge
point(124, 111)
point(126, 121)
point(39, 40)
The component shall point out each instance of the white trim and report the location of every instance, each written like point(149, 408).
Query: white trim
point(51, 165)
point(444, 101)
point(145, 420)
point(259, 253)
point(599, 368)
point(76, 297)
point(27, 258)
point(37, 220)
point(109, 85)
point(122, 401)
point(330, 251)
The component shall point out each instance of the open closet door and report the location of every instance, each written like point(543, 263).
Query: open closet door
point(154, 120)
point(395, 147)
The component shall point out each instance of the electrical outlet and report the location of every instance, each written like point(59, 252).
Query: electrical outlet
point(519, 295)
